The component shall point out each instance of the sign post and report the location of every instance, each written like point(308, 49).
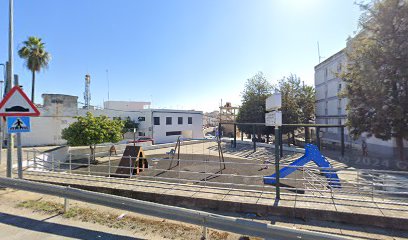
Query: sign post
point(17, 108)
point(274, 118)
point(18, 125)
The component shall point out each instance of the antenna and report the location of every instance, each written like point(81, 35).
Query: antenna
point(318, 52)
point(107, 79)
point(87, 93)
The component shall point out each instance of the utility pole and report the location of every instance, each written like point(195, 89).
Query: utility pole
point(9, 86)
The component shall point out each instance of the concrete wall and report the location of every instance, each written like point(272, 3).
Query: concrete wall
point(126, 105)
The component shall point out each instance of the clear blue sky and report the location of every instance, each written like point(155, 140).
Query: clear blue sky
point(177, 54)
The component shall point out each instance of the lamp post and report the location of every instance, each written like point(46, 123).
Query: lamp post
point(10, 85)
point(1, 120)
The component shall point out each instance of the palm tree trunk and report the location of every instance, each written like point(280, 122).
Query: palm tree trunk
point(32, 86)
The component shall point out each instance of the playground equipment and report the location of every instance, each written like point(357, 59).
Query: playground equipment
point(133, 161)
point(176, 151)
point(312, 153)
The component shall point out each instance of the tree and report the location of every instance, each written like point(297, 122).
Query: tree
point(129, 125)
point(92, 130)
point(257, 90)
point(298, 103)
point(35, 56)
point(377, 73)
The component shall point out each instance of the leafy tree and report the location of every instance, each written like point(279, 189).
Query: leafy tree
point(257, 90)
point(92, 130)
point(298, 100)
point(298, 103)
point(35, 56)
point(129, 125)
point(377, 73)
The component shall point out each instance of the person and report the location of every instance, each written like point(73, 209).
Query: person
point(364, 148)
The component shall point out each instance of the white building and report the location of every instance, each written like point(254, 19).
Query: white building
point(331, 109)
point(126, 105)
point(211, 119)
point(163, 125)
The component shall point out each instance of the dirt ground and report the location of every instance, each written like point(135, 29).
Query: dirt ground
point(26, 212)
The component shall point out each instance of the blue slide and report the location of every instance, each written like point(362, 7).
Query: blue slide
point(312, 153)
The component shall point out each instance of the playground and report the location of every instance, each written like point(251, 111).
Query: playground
point(222, 165)
point(210, 174)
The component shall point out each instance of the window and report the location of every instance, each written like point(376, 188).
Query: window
point(142, 134)
point(190, 120)
point(156, 120)
point(168, 120)
point(180, 120)
point(141, 119)
point(173, 133)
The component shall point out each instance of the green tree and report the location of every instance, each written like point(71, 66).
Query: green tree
point(298, 103)
point(252, 110)
point(35, 56)
point(91, 130)
point(377, 73)
point(129, 125)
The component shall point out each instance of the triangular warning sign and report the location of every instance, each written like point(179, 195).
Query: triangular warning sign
point(16, 103)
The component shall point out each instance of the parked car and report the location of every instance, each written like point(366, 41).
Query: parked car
point(142, 139)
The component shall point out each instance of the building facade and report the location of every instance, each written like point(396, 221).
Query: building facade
point(163, 125)
point(331, 108)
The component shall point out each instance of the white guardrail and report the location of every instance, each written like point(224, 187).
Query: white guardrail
point(201, 218)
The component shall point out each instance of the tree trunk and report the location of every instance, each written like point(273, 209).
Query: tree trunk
point(293, 137)
point(307, 135)
point(400, 147)
point(32, 86)
point(267, 138)
point(288, 139)
point(92, 153)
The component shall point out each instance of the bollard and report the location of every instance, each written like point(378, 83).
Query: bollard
point(70, 163)
point(204, 233)
point(66, 203)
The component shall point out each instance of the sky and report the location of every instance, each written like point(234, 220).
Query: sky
point(176, 54)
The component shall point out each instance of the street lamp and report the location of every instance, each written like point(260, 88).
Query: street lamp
point(1, 98)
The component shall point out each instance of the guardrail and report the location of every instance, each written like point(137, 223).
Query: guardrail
point(201, 218)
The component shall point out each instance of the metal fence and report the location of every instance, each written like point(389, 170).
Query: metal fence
point(201, 218)
point(378, 186)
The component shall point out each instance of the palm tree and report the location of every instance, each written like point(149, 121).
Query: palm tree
point(36, 58)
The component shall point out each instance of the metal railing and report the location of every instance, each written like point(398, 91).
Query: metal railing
point(381, 186)
point(201, 218)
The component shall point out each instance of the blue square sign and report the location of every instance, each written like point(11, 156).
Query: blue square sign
point(18, 124)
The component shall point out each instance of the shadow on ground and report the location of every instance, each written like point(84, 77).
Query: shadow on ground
point(57, 229)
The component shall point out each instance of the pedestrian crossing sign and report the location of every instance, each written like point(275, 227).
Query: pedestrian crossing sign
point(18, 124)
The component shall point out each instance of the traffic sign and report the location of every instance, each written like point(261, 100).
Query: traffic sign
point(273, 118)
point(16, 103)
point(18, 124)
